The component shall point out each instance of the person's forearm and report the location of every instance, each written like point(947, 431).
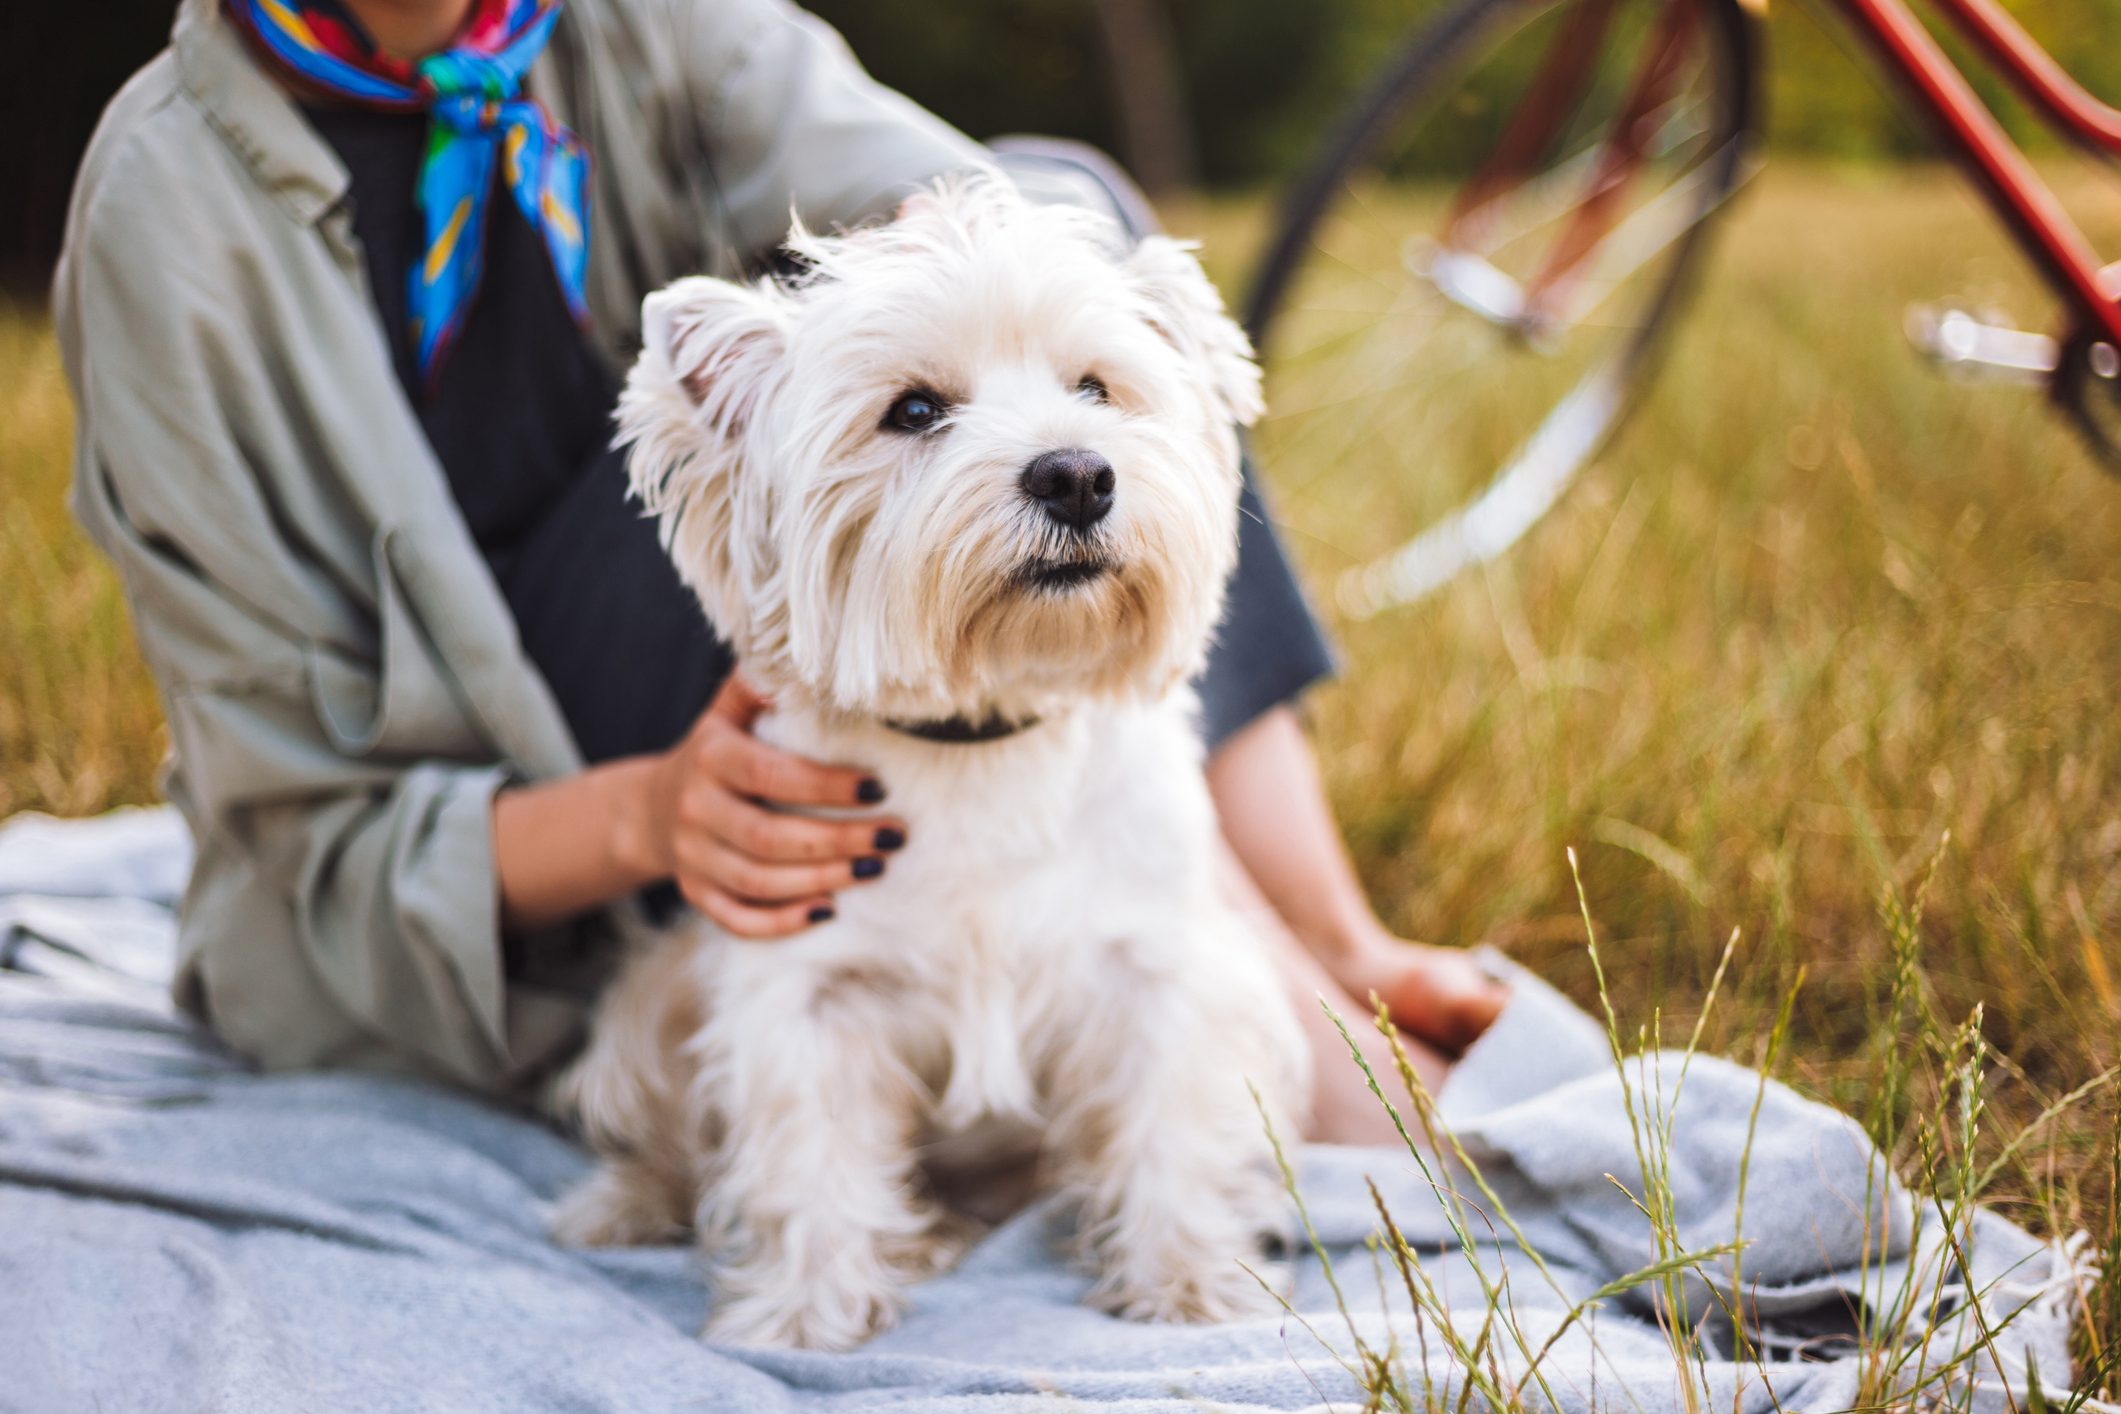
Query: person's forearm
point(1274, 812)
point(565, 846)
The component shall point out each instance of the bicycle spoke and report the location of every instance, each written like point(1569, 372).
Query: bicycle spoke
point(1647, 232)
point(1527, 487)
point(1460, 380)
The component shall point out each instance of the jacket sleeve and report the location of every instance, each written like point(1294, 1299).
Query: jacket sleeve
point(791, 121)
point(344, 902)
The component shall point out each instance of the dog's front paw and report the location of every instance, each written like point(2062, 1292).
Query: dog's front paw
point(934, 1249)
point(611, 1209)
point(1194, 1293)
point(813, 1319)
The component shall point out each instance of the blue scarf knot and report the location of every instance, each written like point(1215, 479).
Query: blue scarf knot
point(470, 93)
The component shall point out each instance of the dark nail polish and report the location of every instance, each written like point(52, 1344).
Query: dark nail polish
point(888, 839)
point(868, 867)
point(869, 792)
point(821, 914)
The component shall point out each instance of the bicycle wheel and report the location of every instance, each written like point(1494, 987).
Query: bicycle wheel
point(1465, 291)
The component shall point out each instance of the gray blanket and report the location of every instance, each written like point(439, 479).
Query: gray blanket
point(177, 1232)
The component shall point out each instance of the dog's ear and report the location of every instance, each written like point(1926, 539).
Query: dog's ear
point(1185, 308)
point(720, 341)
point(710, 353)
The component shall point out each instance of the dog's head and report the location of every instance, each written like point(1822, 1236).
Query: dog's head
point(975, 460)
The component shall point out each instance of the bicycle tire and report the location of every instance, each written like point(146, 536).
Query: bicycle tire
point(1421, 76)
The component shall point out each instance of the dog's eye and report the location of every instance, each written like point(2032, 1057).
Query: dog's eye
point(1093, 388)
point(915, 412)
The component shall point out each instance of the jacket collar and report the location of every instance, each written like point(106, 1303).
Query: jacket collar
point(253, 115)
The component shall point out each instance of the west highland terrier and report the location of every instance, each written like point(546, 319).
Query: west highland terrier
point(963, 496)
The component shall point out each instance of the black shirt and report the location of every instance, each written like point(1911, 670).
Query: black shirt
point(519, 415)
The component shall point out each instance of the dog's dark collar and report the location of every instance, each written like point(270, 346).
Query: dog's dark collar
point(963, 731)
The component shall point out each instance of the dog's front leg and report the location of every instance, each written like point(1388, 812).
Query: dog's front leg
point(810, 1220)
point(1157, 1139)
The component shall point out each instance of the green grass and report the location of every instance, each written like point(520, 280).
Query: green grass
point(1818, 609)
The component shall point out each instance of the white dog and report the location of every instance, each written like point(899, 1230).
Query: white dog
point(963, 496)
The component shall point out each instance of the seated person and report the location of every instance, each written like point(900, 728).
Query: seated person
point(347, 288)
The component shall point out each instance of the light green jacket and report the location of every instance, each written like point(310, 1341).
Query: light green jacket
point(343, 681)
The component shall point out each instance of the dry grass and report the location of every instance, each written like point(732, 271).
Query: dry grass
point(1819, 607)
point(80, 730)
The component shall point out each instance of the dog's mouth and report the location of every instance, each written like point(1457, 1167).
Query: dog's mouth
point(1060, 576)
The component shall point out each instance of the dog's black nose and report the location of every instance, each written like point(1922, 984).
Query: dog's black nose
point(1075, 486)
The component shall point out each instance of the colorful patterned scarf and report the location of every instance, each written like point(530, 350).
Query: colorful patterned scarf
point(470, 93)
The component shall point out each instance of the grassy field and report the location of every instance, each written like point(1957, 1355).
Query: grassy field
point(1821, 618)
point(79, 726)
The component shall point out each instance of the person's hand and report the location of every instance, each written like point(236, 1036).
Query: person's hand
point(1437, 994)
point(709, 822)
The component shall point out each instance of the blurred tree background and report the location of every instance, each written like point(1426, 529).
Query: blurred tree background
point(1220, 93)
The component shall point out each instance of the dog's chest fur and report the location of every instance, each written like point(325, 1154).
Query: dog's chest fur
point(1042, 870)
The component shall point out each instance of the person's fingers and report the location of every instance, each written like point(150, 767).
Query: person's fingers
point(1439, 995)
point(750, 767)
point(745, 918)
point(796, 839)
point(1465, 1000)
point(1476, 997)
point(766, 883)
point(738, 703)
point(1461, 1001)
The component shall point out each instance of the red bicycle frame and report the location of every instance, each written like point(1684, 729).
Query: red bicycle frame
point(1931, 82)
point(1564, 77)
point(2023, 202)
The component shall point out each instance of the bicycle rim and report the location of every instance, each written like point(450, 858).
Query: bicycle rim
point(1450, 337)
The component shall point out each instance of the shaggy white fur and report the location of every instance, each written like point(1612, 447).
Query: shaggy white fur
point(1049, 960)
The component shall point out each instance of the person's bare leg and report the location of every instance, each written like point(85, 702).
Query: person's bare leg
point(1343, 1111)
point(1275, 816)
